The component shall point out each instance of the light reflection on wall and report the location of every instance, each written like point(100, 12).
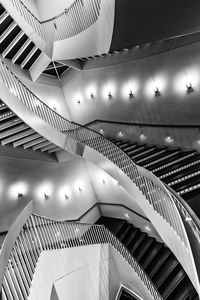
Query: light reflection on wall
point(20, 187)
point(64, 193)
point(158, 82)
point(45, 188)
point(91, 89)
point(130, 85)
point(185, 78)
point(109, 87)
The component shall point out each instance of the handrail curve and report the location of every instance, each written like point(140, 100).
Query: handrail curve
point(80, 15)
point(157, 195)
point(42, 234)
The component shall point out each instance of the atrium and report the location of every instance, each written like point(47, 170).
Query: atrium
point(100, 149)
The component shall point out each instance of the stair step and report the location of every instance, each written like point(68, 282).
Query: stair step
point(3, 16)
point(184, 291)
point(137, 243)
point(131, 237)
point(113, 224)
point(158, 261)
point(20, 51)
point(143, 247)
point(13, 43)
point(7, 31)
point(121, 235)
point(165, 270)
point(173, 280)
point(152, 251)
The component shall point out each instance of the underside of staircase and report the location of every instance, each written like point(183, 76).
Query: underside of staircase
point(13, 131)
point(155, 258)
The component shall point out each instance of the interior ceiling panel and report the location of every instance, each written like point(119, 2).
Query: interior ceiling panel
point(143, 21)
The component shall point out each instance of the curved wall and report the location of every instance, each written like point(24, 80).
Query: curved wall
point(170, 72)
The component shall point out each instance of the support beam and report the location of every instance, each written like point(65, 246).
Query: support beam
point(74, 64)
point(39, 66)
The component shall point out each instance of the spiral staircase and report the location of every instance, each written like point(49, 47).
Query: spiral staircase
point(27, 122)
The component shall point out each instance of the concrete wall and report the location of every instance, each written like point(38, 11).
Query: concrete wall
point(169, 71)
point(33, 178)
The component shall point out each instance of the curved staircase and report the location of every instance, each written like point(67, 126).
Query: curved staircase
point(179, 169)
point(155, 258)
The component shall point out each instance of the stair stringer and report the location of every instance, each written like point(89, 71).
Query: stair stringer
point(167, 233)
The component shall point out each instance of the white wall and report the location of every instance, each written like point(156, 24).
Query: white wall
point(46, 88)
point(32, 178)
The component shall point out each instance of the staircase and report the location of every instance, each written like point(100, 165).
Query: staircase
point(15, 44)
point(155, 258)
point(13, 131)
point(177, 168)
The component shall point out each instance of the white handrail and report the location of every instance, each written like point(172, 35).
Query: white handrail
point(79, 16)
point(40, 234)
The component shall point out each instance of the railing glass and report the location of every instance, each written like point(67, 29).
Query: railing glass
point(41, 234)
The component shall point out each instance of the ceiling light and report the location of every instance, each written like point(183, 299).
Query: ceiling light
point(169, 139)
point(126, 215)
point(142, 136)
point(148, 228)
point(78, 101)
point(20, 195)
point(101, 131)
point(120, 133)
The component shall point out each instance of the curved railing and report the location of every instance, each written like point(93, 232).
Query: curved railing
point(154, 191)
point(73, 20)
point(39, 234)
point(158, 196)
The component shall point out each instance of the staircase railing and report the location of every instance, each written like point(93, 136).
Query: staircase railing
point(157, 195)
point(79, 16)
point(39, 234)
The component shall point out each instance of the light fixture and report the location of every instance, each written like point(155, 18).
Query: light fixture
point(80, 190)
point(126, 215)
point(148, 228)
point(20, 195)
point(109, 95)
point(66, 197)
point(188, 218)
point(169, 139)
point(131, 95)
point(101, 131)
point(189, 87)
point(54, 108)
point(92, 96)
point(46, 197)
point(142, 137)
point(120, 133)
point(78, 101)
point(156, 92)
